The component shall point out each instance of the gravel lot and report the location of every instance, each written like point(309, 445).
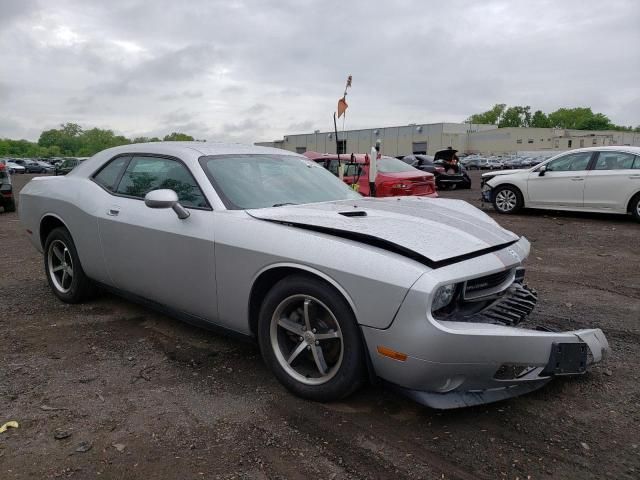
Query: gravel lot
point(112, 389)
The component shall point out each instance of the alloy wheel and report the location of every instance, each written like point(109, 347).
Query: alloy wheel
point(60, 266)
point(306, 339)
point(506, 200)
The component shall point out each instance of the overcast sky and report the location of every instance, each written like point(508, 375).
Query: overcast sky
point(257, 70)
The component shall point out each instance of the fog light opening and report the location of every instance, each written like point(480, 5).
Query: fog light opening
point(509, 371)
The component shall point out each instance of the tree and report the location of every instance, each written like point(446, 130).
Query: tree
point(145, 139)
point(540, 120)
point(178, 137)
point(580, 118)
point(516, 116)
point(67, 137)
point(490, 117)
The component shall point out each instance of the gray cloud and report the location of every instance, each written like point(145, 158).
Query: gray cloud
point(252, 70)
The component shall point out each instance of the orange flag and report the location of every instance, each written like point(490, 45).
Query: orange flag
point(342, 107)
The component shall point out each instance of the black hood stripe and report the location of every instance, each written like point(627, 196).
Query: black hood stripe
point(390, 246)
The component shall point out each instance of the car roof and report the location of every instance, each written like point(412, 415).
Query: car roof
point(615, 148)
point(200, 148)
point(188, 152)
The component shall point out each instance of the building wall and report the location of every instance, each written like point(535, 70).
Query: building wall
point(468, 138)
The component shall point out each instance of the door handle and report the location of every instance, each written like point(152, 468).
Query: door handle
point(113, 212)
point(634, 176)
point(577, 179)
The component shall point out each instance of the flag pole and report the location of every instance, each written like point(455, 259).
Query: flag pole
point(340, 167)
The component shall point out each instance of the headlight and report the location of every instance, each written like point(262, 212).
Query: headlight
point(485, 187)
point(443, 296)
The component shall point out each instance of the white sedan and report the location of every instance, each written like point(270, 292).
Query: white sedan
point(597, 179)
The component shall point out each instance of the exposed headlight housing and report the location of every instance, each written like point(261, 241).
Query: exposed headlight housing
point(443, 296)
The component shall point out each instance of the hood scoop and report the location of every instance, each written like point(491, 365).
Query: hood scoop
point(354, 213)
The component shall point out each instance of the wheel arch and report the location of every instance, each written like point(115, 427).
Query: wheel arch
point(48, 222)
point(270, 275)
point(631, 201)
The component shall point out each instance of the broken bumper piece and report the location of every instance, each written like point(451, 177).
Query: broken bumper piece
point(565, 359)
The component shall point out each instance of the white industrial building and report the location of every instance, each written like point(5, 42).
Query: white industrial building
point(467, 138)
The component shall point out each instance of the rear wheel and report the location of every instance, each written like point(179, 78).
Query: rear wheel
point(10, 206)
point(310, 340)
point(64, 271)
point(507, 199)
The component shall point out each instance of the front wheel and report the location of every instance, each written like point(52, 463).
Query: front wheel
point(310, 340)
point(507, 199)
point(64, 271)
point(635, 207)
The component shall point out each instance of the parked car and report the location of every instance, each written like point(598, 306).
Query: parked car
point(32, 166)
point(422, 162)
point(596, 179)
point(14, 167)
point(395, 177)
point(455, 173)
point(66, 166)
point(335, 287)
point(472, 163)
point(515, 162)
point(495, 164)
point(47, 167)
point(6, 190)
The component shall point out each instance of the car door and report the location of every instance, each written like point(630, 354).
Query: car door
point(562, 184)
point(612, 181)
point(151, 252)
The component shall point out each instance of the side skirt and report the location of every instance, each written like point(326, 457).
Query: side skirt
point(179, 315)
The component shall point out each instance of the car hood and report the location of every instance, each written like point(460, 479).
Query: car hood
point(504, 172)
point(436, 232)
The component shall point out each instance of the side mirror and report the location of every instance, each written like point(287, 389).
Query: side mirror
point(165, 198)
point(542, 170)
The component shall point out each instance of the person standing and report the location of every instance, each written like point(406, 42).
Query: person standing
point(373, 167)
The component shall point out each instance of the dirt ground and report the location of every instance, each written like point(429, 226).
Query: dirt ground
point(114, 390)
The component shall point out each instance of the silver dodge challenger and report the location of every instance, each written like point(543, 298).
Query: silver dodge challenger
point(423, 294)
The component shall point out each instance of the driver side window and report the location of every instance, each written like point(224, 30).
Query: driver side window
point(144, 174)
point(570, 163)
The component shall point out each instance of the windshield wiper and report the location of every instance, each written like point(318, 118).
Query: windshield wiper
point(283, 204)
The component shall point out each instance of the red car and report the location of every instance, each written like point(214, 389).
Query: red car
point(395, 178)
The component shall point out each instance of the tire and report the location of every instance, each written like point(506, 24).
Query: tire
point(296, 354)
point(634, 207)
point(10, 206)
point(507, 199)
point(60, 255)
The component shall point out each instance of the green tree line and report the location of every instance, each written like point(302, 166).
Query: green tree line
point(71, 140)
point(578, 118)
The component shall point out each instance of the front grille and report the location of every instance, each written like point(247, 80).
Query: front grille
point(511, 309)
point(488, 282)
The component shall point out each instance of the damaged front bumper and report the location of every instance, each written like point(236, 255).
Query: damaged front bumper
point(461, 362)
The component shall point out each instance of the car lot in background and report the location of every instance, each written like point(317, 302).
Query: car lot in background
point(395, 177)
point(596, 179)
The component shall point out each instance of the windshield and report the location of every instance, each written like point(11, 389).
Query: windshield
point(260, 181)
point(393, 165)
